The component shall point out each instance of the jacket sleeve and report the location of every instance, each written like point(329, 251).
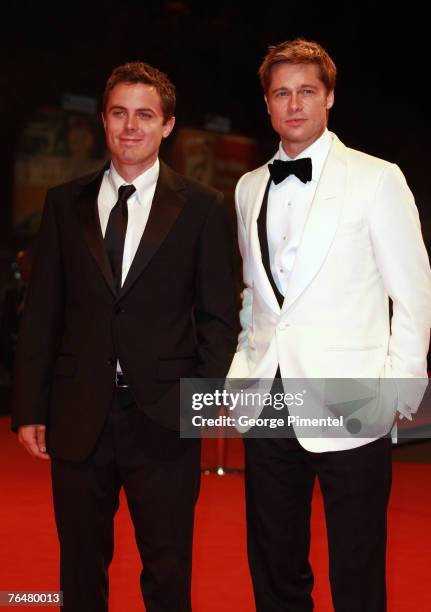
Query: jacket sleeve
point(404, 266)
point(245, 314)
point(40, 329)
point(216, 300)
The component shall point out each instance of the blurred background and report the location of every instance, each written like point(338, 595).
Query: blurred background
point(55, 59)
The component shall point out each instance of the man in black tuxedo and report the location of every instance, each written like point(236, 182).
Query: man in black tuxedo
point(132, 288)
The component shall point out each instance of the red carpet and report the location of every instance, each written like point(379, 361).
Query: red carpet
point(29, 553)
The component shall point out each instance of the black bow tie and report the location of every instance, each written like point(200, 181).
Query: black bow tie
point(279, 169)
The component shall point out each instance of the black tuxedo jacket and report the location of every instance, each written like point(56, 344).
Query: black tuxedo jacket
point(176, 314)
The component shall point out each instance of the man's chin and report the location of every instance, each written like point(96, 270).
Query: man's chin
point(128, 157)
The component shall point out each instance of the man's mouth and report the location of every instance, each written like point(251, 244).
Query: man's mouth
point(130, 140)
point(295, 122)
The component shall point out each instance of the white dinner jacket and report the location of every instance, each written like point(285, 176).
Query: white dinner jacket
point(361, 243)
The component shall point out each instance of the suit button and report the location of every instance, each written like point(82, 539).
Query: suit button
point(111, 361)
point(119, 310)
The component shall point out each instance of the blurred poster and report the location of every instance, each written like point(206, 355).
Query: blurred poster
point(215, 159)
point(55, 146)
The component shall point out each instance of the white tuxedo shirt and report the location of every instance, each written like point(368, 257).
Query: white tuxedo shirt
point(288, 208)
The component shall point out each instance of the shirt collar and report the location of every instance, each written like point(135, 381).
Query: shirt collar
point(142, 183)
point(318, 151)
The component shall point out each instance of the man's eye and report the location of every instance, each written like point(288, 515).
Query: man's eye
point(281, 94)
point(118, 113)
point(307, 92)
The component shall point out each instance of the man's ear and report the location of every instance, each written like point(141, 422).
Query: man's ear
point(103, 120)
point(168, 126)
point(329, 100)
point(267, 105)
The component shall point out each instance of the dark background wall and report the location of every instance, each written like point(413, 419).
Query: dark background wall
point(211, 50)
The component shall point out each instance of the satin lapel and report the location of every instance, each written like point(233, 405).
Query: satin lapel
point(261, 278)
point(165, 208)
point(321, 224)
point(88, 217)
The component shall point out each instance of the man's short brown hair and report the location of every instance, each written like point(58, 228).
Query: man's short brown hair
point(139, 72)
point(298, 51)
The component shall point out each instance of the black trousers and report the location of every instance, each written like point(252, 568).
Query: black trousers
point(355, 484)
point(160, 474)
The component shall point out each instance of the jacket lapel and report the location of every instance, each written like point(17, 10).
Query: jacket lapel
point(165, 208)
point(257, 193)
point(88, 218)
point(321, 224)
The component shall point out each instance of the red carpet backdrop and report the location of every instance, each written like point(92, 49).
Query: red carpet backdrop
point(221, 583)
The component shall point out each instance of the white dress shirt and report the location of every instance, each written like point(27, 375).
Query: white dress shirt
point(138, 208)
point(289, 203)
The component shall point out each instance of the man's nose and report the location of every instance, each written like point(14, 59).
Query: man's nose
point(294, 102)
point(131, 122)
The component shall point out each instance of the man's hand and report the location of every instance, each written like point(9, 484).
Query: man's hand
point(32, 437)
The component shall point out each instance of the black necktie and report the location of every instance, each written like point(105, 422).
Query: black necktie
point(116, 233)
point(279, 169)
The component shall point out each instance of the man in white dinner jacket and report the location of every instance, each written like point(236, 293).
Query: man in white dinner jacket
point(327, 234)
